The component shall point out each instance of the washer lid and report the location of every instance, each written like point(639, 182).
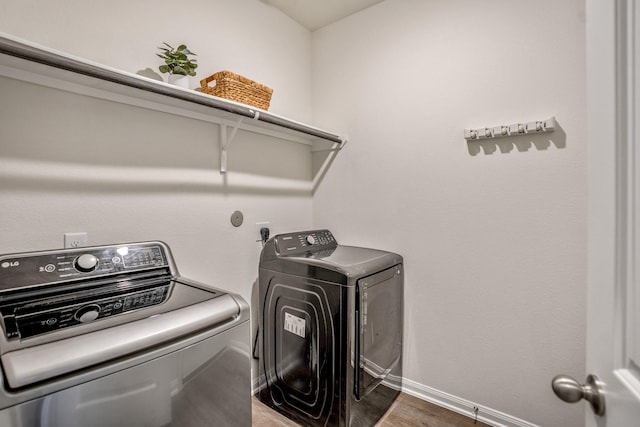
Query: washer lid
point(37, 318)
point(34, 364)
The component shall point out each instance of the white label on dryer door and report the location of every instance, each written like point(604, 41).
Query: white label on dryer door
point(294, 324)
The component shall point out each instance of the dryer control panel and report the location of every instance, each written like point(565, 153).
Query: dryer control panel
point(305, 241)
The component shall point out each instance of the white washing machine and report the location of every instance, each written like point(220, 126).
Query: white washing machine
point(331, 327)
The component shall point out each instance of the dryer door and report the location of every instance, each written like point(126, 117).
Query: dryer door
point(379, 320)
point(299, 343)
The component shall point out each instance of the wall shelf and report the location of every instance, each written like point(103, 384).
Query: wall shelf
point(29, 62)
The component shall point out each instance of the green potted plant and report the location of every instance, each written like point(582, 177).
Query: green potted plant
point(177, 63)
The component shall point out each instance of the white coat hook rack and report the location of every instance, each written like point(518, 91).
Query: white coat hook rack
point(514, 129)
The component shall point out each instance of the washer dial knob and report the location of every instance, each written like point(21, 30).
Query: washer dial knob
point(311, 240)
point(86, 263)
point(87, 313)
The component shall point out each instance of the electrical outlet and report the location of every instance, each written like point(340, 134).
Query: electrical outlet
point(260, 225)
point(75, 240)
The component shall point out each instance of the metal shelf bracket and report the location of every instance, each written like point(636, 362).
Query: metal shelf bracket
point(226, 138)
point(334, 148)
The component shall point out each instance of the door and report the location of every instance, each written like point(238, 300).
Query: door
point(613, 327)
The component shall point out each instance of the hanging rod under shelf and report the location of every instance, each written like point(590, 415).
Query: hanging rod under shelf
point(514, 129)
point(22, 49)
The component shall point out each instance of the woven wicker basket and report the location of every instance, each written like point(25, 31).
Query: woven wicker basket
point(237, 88)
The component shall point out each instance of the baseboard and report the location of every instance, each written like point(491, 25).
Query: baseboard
point(445, 400)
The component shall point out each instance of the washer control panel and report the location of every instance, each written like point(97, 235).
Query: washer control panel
point(64, 265)
point(305, 241)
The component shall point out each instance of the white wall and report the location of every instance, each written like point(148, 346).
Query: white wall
point(122, 173)
point(493, 234)
point(244, 36)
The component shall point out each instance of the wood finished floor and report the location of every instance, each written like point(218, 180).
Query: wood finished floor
point(406, 411)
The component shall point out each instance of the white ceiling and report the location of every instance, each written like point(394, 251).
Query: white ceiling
point(314, 14)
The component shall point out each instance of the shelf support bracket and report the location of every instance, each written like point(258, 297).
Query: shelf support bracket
point(226, 138)
point(336, 147)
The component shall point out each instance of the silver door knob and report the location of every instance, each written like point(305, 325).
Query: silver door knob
point(569, 390)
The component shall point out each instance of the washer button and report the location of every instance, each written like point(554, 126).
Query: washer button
point(87, 313)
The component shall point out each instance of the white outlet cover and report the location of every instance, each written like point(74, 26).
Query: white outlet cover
point(75, 240)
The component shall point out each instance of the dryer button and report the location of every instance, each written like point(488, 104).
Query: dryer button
point(311, 240)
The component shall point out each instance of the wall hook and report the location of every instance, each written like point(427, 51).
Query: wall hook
point(514, 129)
